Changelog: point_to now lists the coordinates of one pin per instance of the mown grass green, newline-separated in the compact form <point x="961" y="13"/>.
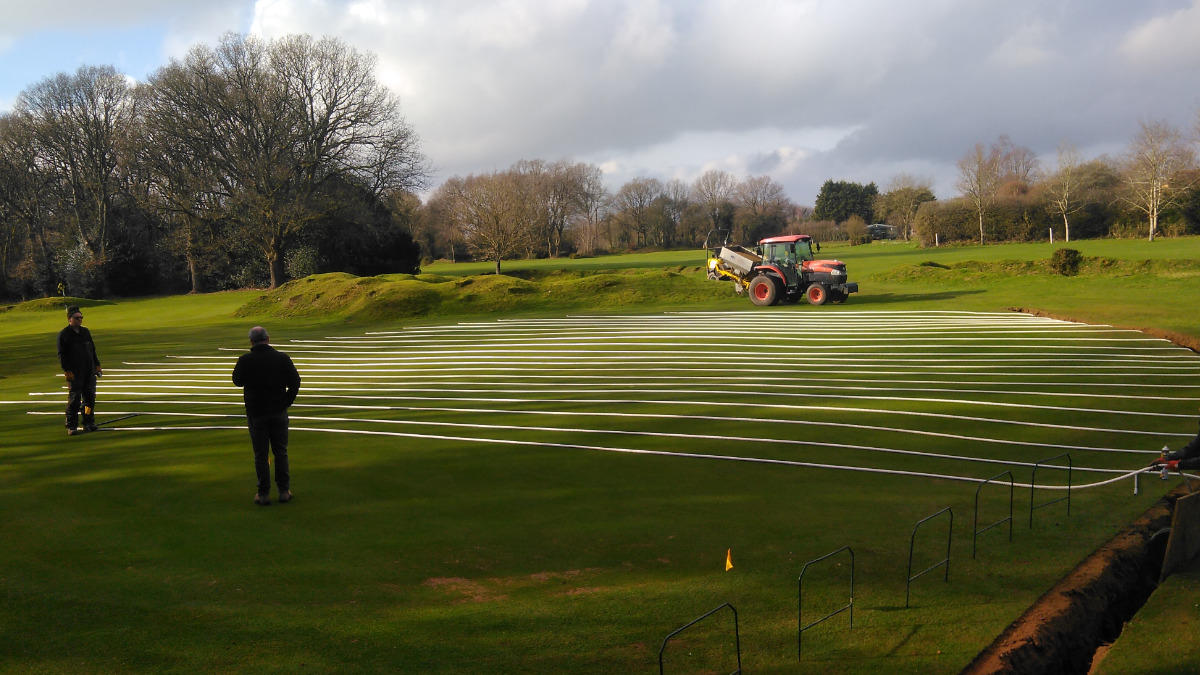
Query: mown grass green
<point x="141" y="551"/>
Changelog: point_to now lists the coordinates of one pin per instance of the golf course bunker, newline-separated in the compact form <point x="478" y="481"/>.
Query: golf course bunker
<point x="1087" y="609"/>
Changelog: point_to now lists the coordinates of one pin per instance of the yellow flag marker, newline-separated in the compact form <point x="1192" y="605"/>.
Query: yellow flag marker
<point x="728" y="559"/>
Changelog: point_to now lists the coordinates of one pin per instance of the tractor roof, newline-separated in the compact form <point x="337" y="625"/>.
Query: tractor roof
<point x="785" y="239"/>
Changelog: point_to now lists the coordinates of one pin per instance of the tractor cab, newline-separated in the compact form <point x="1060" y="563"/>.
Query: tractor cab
<point x="788" y="253"/>
<point x="790" y="250"/>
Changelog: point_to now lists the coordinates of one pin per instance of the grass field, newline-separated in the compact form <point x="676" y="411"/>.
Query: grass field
<point x="536" y="492"/>
<point x="1159" y="638"/>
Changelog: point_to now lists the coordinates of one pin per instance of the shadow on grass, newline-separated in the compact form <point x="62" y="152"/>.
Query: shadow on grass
<point x="904" y="640"/>
<point x="890" y="298"/>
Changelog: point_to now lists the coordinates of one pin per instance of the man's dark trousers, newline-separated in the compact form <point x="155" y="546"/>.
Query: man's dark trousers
<point x="83" y="392"/>
<point x="270" y="432"/>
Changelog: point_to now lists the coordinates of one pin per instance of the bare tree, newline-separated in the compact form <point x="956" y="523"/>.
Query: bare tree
<point x="762" y="207"/>
<point x="565" y="194"/>
<point x="711" y="190"/>
<point x="1154" y="170"/>
<point x="493" y="213"/>
<point x="761" y="195"/>
<point x="437" y="227"/>
<point x="594" y="201"/>
<point x="898" y="206"/>
<point x="676" y="200"/>
<point x="633" y="201"/>
<point x="24" y="212"/>
<point x="531" y="180"/>
<point x="979" y="178"/>
<point x="184" y="186"/>
<point x="1063" y="187"/>
<point x="268" y="123"/>
<point x="1017" y="163"/>
<point x="80" y="123"/>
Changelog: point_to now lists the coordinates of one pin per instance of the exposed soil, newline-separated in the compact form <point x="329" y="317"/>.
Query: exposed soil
<point x="1063" y="630"/>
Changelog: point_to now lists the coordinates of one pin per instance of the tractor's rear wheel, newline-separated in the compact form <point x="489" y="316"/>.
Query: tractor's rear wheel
<point x="817" y="294"/>
<point x="763" y="290"/>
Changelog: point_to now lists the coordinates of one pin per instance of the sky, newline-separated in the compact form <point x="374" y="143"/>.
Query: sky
<point x="800" y="90"/>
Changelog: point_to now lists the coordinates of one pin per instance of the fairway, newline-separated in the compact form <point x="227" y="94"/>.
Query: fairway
<point x="570" y="486"/>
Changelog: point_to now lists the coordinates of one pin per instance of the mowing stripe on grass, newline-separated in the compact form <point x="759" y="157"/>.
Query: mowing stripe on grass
<point x="546" y="388"/>
<point x="836" y="357"/>
<point x="660" y="453"/>
<point x="622" y="432"/>
<point x="635" y="415"/>
<point x="364" y="381"/>
<point x="223" y="373"/>
<point x="739" y="404"/>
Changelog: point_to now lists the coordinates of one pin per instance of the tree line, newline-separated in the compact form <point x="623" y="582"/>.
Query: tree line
<point x="224" y="169"/>
<point x="254" y="161"/>
<point x="537" y="209"/>
<point x="1154" y="186"/>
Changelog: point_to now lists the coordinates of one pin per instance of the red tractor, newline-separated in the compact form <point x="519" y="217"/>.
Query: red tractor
<point x="779" y="269"/>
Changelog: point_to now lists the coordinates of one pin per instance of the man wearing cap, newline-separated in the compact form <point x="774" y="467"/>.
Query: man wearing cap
<point x="269" y="384"/>
<point x="81" y="366"/>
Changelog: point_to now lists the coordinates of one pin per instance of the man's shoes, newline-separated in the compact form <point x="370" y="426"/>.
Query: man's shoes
<point x="90" y="427"/>
<point x="285" y="496"/>
<point x="262" y="500"/>
<point x="73" y="432"/>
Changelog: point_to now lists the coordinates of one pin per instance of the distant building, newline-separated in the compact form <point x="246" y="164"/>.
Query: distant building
<point x="881" y="231"/>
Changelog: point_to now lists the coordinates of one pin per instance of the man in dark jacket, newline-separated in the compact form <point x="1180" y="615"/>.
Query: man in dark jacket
<point x="81" y="366"/>
<point x="270" y="384"/>
<point x="1187" y="457"/>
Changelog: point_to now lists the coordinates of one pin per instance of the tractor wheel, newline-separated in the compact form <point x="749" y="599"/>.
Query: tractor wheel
<point x="837" y="297"/>
<point x="816" y="294"/>
<point x="763" y="290"/>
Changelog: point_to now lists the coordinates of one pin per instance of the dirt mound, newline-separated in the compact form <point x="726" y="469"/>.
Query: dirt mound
<point x="395" y="296"/>
<point x="1061" y="632"/>
<point x="341" y="294"/>
<point x="55" y="304"/>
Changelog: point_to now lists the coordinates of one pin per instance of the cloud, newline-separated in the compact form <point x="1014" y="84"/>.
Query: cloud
<point x="668" y="88"/>
<point x="643" y="37"/>
<point x="1028" y="46"/>
<point x="25" y="17"/>
<point x="203" y="23"/>
<point x="779" y="153"/>
<point x="802" y="90"/>
<point x="1168" y="41"/>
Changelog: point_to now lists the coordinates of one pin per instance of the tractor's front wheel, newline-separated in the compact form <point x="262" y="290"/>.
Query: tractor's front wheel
<point x="817" y="294"/>
<point x="763" y="290"/>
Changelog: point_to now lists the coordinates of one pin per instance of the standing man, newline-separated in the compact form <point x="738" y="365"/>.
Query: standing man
<point x="81" y="366"/>
<point x="270" y="384"/>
